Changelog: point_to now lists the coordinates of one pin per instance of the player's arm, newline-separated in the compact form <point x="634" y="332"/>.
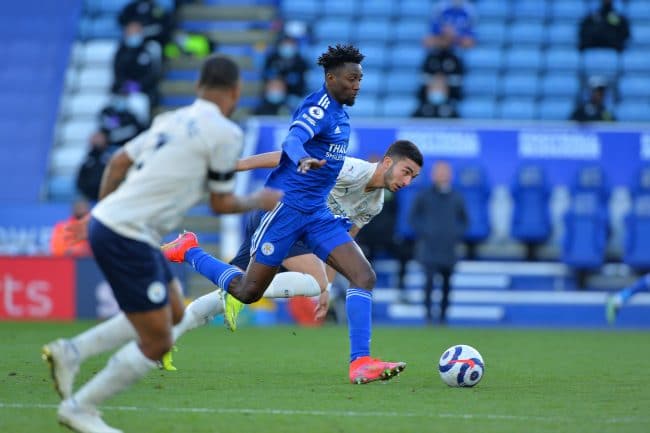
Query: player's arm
<point x="262" y="160"/>
<point x="225" y="203"/>
<point x="115" y="172"/>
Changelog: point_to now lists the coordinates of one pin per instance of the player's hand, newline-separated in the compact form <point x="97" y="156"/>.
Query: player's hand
<point x="76" y="231"/>
<point x="307" y="164"/>
<point x="323" y="306"/>
<point x="267" y="198"/>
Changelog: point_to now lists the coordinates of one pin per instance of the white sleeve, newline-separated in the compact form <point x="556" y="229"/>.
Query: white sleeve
<point x="137" y="144"/>
<point x="225" y="150"/>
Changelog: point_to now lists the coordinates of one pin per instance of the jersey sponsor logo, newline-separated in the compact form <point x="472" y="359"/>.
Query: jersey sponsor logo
<point x="316" y="112"/>
<point x="267" y="248"/>
<point x="156" y="292"/>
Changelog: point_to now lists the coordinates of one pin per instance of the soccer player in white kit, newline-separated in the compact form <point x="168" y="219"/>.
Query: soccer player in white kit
<point x="358" y="195"/>
<point x="170" y="167"/>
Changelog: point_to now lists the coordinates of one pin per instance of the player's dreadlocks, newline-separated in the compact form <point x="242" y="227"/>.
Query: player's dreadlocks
<point x="338" y="55"/>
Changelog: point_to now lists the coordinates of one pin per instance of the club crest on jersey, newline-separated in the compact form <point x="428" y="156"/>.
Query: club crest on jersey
<point x="316" y="112"/>
<point x="267" y="248"/>
<point x="156" y="292"/>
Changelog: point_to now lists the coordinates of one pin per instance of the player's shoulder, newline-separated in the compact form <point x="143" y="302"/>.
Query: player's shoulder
<point x="355" y="166"/>
<point x="318" y="104"/>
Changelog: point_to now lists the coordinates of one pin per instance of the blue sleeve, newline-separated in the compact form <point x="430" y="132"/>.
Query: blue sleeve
<point x="294" y="144"/>
<point x="313" y="119"/>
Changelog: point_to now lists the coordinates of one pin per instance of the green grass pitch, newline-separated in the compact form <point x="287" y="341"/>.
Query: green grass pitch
<point x="284" y="379"/>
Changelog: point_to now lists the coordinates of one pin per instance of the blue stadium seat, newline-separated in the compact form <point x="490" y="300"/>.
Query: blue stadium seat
<point x="523" y="59"/>
<point x="568" y="10"/>
<point x="517" y="109"/>
<point x="340" y="8"/>
<point x="406" y="56"/>
<point x="519" y="84"/>
<point x="372" y="30"/>
<point x="585" y="233"/>
<point x="562" y="34"/>
<point x="592" y="180"/>
<point x="490" y="34"/>
<point x="376" y="54"/>
<point x="414" y="8"/>
<point x="633" y="111"/>
<point x="397" y="106"/>
<point x="373" y="81"/>
<point x="600" y="61"/>
<point x="403" y="81"/>
<point x="636" y="251"/>
<point x="637" y="11"/>
<point x="499" y="9"/>
<point x="300" y="9"/>
<point x="481" y="83"/>
<point x="471" y="182"/>
<point x="555" y="109"/>
<point x="330" y="29"/>
<point x="483" y="58"/>
<point x="526" y="33"/>
<point x="530" y="10"/>
<point x="314" y="78"/>
<point x="562" y="59"/>
<point x="365" y="106"/>
<point x="634" y="87"/>
<point x="636" y="60"/>
<point x="477" y="108"/>
<point x="411" y="30"/>
<point x="108" y="7"/>
<point x="531" y="220"/>
<point x="378" y="8"/>
<point x="640" y="35"/>
<point x="560" y="84"/>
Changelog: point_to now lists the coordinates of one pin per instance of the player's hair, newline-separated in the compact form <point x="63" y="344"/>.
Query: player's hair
<point x="338" y="55"/>
<point x="402" y="149"/>
<point x="219" y="71"/>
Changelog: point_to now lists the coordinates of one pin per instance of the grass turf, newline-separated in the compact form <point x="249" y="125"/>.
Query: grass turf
<point x="295" y="380"/>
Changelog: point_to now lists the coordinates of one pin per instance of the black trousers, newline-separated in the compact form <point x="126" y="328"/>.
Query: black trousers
<point x="430" y="272"/>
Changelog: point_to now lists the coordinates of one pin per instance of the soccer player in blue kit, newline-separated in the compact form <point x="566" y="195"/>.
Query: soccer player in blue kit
<point x="312" y="156"/>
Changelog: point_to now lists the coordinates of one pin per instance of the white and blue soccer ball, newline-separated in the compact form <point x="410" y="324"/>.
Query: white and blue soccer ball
<point x="461" y="366"/>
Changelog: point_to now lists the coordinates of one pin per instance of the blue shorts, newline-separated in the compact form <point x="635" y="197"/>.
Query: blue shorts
<point x="137" y="272"/>
<point x="282" y="227"/>
<point x="243" y="256"/>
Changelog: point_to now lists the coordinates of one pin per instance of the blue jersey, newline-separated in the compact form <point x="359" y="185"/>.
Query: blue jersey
<point x="328" y="125"/>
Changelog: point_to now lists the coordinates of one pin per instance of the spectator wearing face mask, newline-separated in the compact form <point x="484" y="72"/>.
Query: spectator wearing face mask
<point x="137" y="63"/>
<point x="435" y="101"/>
<point x="286" y="62"/>
<point x="157" y="23"/>
<point x="274" y="100"/>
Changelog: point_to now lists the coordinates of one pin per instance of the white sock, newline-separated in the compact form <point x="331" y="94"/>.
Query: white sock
<point x="200" y="312"/>
<point x="125" y="367"/>
<point x="112" y="333"/>
<point x="289" y="284"/>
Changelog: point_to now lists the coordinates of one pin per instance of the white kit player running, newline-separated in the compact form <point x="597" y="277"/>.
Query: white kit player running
<point x="146" y="189"/>
<point x="358" y="195"/>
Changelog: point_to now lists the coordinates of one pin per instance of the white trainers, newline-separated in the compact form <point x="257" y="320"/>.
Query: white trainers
<point x="83" y="419"/>
<point x="64" y="365"/>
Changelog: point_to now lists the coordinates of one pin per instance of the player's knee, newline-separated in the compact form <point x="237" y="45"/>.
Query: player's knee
<point x="154" y="347"/>
<point x="248" y="297"/>
<point x="365" y="279"/>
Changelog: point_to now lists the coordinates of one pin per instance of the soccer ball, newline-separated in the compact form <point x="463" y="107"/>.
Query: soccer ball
<point x="461" y="365"/>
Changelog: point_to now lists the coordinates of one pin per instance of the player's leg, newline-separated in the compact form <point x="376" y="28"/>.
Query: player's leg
<point x="429" y="275"/>
<point x="445" y="273"/>
<point x="616" y="301"/>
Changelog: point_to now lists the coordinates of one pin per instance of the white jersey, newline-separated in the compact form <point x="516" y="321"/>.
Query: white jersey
<point x="184" y="154"/>
<point x="349" y="197"/>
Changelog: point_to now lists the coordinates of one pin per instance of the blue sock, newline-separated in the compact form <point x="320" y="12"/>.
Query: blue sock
<point x="641" y="285"/>
<point x="358" y="305"/>
<point x="220" y="273"/>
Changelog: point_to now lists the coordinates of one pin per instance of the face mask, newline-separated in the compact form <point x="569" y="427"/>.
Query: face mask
<point x="134" y="40"/>
<point x="436" y="97"/>
<point x="287" y="50"/>
<point x="275" y="96"/>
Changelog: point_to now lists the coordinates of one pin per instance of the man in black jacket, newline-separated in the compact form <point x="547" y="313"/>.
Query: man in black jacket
<point x="439" y="220"/>
<point x="604" y="28"/>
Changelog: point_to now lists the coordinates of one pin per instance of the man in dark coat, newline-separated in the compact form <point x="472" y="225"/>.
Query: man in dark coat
<point x="439" y="219"/>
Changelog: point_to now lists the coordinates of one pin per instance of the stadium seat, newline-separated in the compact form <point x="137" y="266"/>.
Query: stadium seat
<point x="414" y="8"/>
<point x="562" y="59"/>
<point x="493" y="9"/>
<point x="483" y="58"/>
<point x="519" y="84"/>
<point x="560" y="85"/>
<point x="341" y="8"/>
<point x="373" y="81"/>
<point x="372" y="30"/>
<point x="406" y="56"/>
<point x="517" y="109"/>
<point x="524" y="59"/>
<point x="562" y="34"/>
<point x="410" y="30"/>
<point x="300" y="9"/>
<point x="472" y="184"/>
<point x="634" y="87"/>
<point x="530" y="10"/>
<point x="600" y="61"/>
<point x="633" y="111"/>
<point x="94" y="79"/>
<point x="640" y="35"/>
<point x="481" y="84"/>
<point x="490" y="34"/>
<point x="636" y="251"/>
<point x="403" y="81"/>
<point x="77" y="131"/>
<point x="67" y="160"/>
<point x="477" y="108"/>
<point x="365" y="106"/>
<point x="555" y="109"/>
<point x="328" y="28"/>
<point x="378" y="8"/>
<point x="109" y="7"/>
<point x="531" y="221"/>
<point x="592" y="180"/>
<point x="526" y="33"/>
<point x="376" y="54"/>
<point x="636" y="60"/>
<point x="568" y="10"/>
<point x="397" y="106"/>
<point x="585" y="233"/>
<point x="85" y="105"/>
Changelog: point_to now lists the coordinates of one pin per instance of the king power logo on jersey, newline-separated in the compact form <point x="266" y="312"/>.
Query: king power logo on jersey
<point x="36" y="288"/>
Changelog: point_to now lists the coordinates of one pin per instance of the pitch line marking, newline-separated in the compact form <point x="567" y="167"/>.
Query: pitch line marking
<point x="353" y="414"/>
